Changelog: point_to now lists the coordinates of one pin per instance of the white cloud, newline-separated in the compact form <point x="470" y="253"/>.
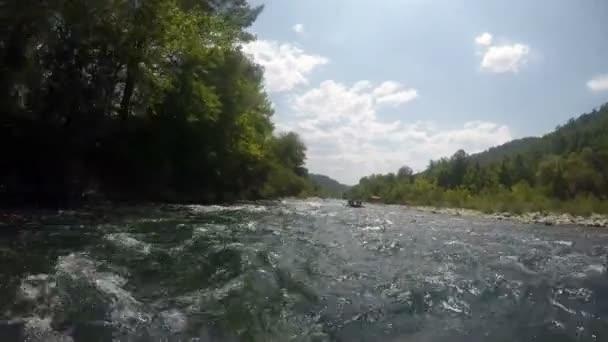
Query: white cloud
<point x="505" y="58"/>
<point x="361" y="86"/>
<point x="333" y="101"/>
<point x="298" y="28"/>
<point x="598" y="83"/>
<point x="285" y="65"/>
<point x="501" y="58"/>
<point x="392" y="93"/>
<point x="484" y="39"/>
<point x="347" y="140"/>
<point x="386" y="88"/>
<point x="398" y="97"/>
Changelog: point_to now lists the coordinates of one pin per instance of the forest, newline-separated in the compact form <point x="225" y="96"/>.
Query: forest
<point x="563" y="171"/>
<point x="325" y="186"/>
<point x="138" y="101"/>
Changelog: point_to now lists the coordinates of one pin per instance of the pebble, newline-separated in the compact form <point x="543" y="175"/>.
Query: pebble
<point x="547" y="219"/>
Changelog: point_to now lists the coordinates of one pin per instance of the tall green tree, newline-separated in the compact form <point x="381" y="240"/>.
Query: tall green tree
<point x="145" y="99"/>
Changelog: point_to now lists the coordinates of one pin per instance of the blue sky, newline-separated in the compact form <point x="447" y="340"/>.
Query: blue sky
<point x="372" y="85"/>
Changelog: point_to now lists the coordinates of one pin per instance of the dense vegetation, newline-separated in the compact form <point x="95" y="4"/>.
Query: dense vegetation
<point x="566" y="170"/>
<point x="327" y="187"/>
<point x="133" y="99"/>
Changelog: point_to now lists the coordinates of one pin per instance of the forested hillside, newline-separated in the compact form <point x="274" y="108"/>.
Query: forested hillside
<point x="566" y="170"/>
<point x="327" y="186"/>
<point x="144" y="100"/>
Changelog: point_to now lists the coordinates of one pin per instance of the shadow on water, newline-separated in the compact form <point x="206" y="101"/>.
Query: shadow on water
<point x="297" y="270"/>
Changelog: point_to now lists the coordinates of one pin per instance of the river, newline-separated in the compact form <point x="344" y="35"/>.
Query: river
<point x="297" y="270"/>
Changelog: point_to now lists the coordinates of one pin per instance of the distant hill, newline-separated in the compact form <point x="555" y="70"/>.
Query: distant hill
<point x="587" y="131"/>
<point x="511" y="148"/>
<point x="328" y="186"/>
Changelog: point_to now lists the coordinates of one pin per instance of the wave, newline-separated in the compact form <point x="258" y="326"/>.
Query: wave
<point x="126" y="241"/>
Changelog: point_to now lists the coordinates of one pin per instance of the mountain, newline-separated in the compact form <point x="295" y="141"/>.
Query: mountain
<point x="513" y="147"/>
<point x="328" y="186"/>
<point x="587" y="131"/>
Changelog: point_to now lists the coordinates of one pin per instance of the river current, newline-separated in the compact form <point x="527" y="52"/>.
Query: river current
<point x="297" y="270"/>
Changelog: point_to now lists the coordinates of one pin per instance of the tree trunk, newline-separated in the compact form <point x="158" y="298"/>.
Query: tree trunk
<point x="125" y="103"/>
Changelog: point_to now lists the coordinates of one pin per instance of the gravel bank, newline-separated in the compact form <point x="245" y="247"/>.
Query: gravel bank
<point x="548" y="219"/>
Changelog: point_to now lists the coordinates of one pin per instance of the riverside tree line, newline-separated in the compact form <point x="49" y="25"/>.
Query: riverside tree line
<point x="137" y="99"/>
<point x="566" y="170"/>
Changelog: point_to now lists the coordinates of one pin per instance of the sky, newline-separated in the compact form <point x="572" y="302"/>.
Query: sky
<point x="371" y="86"/>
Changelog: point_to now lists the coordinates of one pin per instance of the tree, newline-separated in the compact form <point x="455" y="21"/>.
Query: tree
<point x="453" y="175"/>
<point x="405" y="173"/>
<point x="147" y="99"/>
<point x="504" y="174"/>
<point x="291" y="152"/>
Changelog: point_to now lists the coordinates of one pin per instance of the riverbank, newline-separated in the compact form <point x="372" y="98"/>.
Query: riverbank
<point x="546" y="218"/>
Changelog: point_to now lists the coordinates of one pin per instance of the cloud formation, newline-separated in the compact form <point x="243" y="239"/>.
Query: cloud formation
<point x="298" y="28"/>
<point x="285" y="66"/>
<point x="598" y="83"/>
<point x="501" y="58"/>
<point x="347" y="140"/>
<point x="393" y="94"/>
<point x="484" y="39"/>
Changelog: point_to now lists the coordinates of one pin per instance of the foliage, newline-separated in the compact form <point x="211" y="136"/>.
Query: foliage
<point x="148" y="100"/>
<point x="327" y="187"/>
<point x="566" y="170"/>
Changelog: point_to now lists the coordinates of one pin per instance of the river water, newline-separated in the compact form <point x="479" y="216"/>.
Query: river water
<point x="297" y="271"/>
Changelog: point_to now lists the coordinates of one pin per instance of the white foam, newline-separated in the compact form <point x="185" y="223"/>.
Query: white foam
<point x="214" y="208"/>
<point x="35" y="286"/>
<point x="371" y="228"/>
<point x="125" y="240"/>
<point x="174" y="320"/>
<point x="596" y="269"/>
<point x="474" y="291"/>
<point x="564" y="243"/>
<point x="153" y="220"/>
<point x="39" y="329"/>
<point x="201" y="230"/>
<point x="513" y="263"/>
<point x="561" y="306"/>
<point x="124" y="308"/>
<point x="253" y="208"/>
<point x="29" y="292"/>
<point x="314" y="204"/>
<point x="38" y="277"/>
<point x="38" y="324"/>
<point x="455" y="305"/>
<point x="454" y="242"/>
<point x="447" y="306"/>
<point x="206" y="208"/>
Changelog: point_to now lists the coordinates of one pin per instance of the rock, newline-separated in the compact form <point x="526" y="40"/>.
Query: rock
<point x="548" y="219"/>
